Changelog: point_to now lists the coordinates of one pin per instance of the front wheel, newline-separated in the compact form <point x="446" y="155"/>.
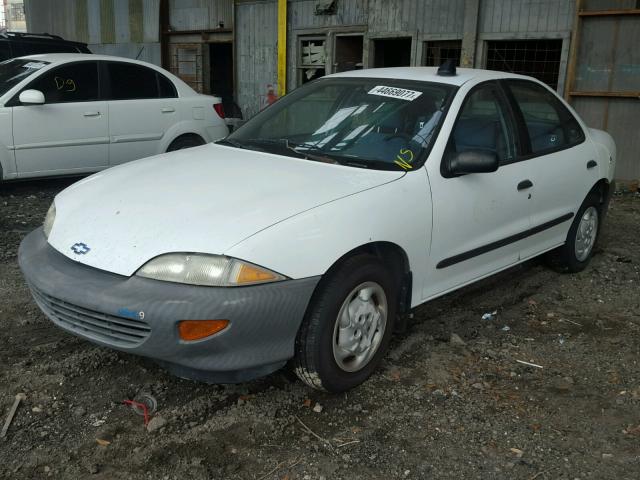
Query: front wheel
<point x="576" y="253"/>
<point x="347" y="327"/>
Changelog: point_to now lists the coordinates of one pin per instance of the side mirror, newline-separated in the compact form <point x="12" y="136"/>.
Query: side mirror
<point x="472" y="161"/>
<point x="31" y="97"/>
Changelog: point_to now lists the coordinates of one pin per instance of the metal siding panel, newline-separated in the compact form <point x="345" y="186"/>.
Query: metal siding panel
<point x="121" y="21"/>
<point x="135" y="20"/>
<point x="147" y="52"/>
<point x="107" y="24"/>
<point x="151" y="20"/>
<point x="256" y="41"/>
<point x="93" y="21"/>
<point x="81" y="21"/>
<point x="626" y="65"/>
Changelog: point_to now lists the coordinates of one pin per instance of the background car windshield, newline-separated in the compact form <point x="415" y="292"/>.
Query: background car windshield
<point x="15" y="70"/>
<point x="367" y="122"/>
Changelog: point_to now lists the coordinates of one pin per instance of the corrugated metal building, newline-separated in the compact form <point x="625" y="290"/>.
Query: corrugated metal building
<point x="586" y="49"/>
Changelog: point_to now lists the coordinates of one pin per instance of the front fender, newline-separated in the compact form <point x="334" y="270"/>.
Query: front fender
<point x="309" y="243"/>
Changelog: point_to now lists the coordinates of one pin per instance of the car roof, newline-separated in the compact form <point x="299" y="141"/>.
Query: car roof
<point x="428" y="74"/>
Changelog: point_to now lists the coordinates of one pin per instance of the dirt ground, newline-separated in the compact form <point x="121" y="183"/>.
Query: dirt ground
<point x="437" y="409"/>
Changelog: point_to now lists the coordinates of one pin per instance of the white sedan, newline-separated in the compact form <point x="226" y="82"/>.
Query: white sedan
<point x="70" y="113"/>
<point x="304" y="234"/>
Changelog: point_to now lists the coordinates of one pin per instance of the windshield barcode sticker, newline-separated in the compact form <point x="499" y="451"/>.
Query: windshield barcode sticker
<point x="394" y="92"/>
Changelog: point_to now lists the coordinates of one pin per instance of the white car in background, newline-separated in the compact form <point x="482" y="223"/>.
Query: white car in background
<point x="304" y="233"/>
<point x="69" y="113"/>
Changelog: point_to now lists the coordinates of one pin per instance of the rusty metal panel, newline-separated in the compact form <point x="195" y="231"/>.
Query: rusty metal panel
<point x="200" y="14"/>
<point x="526" y="16"/>
<point x="256" y="55"/>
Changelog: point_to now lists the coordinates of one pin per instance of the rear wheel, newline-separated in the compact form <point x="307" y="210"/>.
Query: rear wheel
<point x="576" y="253"/>
<point x="347" y="327"/>
<point x="185" y="141"/>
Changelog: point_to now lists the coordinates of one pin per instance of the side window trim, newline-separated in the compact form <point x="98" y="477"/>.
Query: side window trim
<point x="502" y="103"/>
<point x="159" y="78"/>
<point x="557" y="104"/>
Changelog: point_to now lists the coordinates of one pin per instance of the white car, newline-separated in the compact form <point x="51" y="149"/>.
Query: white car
<point x="70" y="113"/>
<point x="305" y="233"/>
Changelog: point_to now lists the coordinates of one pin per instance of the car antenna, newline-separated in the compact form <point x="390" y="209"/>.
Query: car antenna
<point x="448" y="68"/>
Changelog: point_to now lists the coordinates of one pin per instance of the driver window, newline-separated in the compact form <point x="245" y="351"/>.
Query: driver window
<point x="77" y="82"/>
<point x="483" y="125"/>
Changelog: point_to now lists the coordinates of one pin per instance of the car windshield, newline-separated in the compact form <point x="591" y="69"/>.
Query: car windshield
<point x="15" y="70"/>
<point x="361" y="122"/>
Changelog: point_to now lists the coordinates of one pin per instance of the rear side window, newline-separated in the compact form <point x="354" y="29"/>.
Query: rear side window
<point x="76" y="82"/>
<point x="128" y="81"/>
<point x="549" y="124"/>
<point x="166" y="87"/>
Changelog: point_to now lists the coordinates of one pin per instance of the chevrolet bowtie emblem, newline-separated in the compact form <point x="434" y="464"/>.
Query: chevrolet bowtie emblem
<point x="80" y="248"/>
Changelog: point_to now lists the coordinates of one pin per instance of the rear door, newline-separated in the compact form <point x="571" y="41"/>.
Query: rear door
<point x="68" y="134"/>
<point x="143" y="105"/>
<point x="478" y="219"/>
<point x="562" y="162"/>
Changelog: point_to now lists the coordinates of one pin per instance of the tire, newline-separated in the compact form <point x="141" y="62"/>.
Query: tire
<point x="363" y="293"/>
<point x="577" y="251"/>
<point x="185" y="141"/>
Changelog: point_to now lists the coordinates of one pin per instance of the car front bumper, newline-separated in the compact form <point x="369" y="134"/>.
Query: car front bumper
<point x="140" y="316"/>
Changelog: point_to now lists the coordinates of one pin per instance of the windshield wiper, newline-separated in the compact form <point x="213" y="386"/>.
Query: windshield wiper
<point x="295" y="148"/>
<point x="233" y="143"/>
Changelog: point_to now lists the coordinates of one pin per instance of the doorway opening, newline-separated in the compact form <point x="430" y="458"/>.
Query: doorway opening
<point x="392" y="52"/>
<point x="348" y="56"/>
<point x="221" y="73"/>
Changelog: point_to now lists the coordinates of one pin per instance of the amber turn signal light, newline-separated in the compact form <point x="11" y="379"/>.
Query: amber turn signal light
<point x="198" y="329"/>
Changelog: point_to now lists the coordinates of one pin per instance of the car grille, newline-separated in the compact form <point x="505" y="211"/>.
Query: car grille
<point x="116" y="331"/>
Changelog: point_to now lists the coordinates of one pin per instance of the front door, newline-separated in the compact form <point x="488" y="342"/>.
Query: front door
<point x="69" y="133"/>
<point x="477" y="217"/>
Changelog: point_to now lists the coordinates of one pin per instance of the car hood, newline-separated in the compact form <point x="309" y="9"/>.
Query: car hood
<point x="205" y="199"/>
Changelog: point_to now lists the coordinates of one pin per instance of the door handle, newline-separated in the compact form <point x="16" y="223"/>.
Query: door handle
<point x="167" y="109"/>
<point x="591" y="164"/>
<point x="523" y="185"/>
<point x="91" y="114"/>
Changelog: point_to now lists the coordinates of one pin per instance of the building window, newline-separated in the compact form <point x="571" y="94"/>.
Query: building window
<point x="16" y="12"/>
<point x="537" y="58"/>
<point x="436" y="53"/>
<point x="313" y="57"/>
<point x="348" y="53"/>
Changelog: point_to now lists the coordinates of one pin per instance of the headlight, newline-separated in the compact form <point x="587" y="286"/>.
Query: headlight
<point x="49" y="219"/>
<point x="207" y="270"/>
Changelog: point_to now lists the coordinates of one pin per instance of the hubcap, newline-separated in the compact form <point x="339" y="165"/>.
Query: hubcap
<point x="360" y="326"/>
<point x="586" y="234"/>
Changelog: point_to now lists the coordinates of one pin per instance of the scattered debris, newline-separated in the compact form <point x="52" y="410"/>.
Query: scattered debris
<point x="156" y="423"/>
<point x="529" y="364"/>
<point x="506" y="328"/>
<point x="490" y="316"/>
<point x="519" y="453"/>
<point x="456" y="340"/>
<point x="19" y="398"/>
<point x="102" y="442"/>
<point x="317" y="408"/>
<point x="143" y="404"/>
<point x="324" y="440"/>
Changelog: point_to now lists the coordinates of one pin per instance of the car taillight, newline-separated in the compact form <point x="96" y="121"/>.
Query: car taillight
<point x="219" y="108"/>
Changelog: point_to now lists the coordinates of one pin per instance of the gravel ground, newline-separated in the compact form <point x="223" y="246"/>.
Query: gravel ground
<point x="450" y="401"/>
